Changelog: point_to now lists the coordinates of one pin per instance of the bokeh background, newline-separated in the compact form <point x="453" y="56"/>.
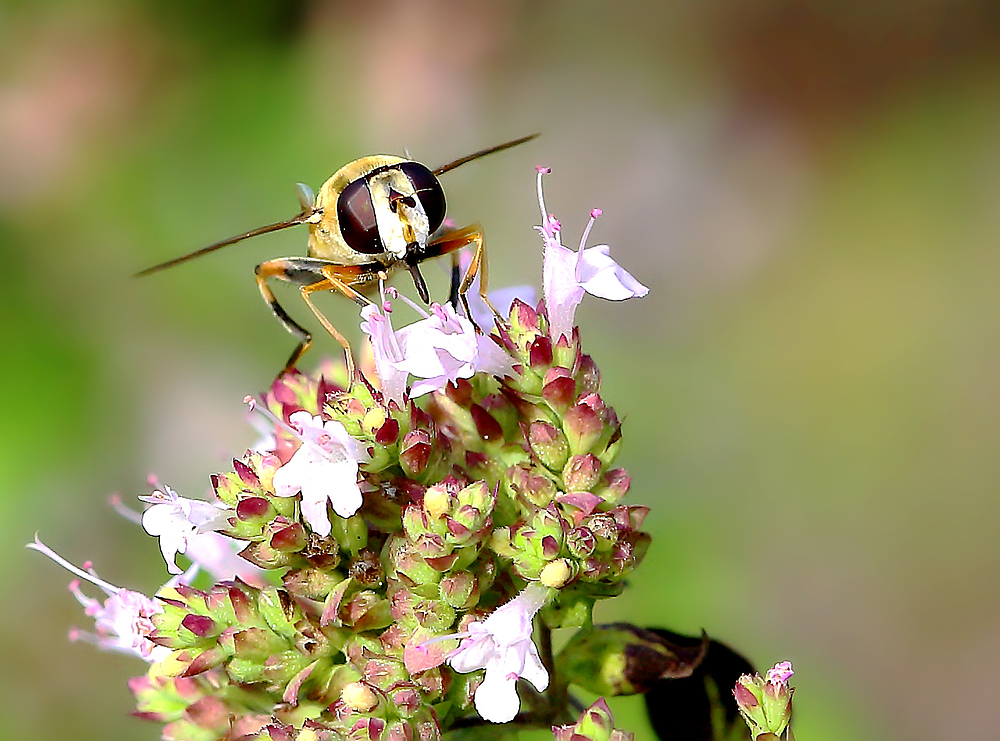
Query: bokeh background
<point x="811" y="393"/>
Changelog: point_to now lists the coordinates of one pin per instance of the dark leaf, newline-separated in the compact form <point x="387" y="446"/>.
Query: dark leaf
<point x="699" y="707"/>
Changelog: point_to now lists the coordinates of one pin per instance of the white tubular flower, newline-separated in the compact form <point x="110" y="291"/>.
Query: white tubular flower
<point x="175" y="520"/>
<point x="502" y="645"/>
<point x="324" y="469"/>
<point x="123" y="622"/>
<point x="567" y="275"/>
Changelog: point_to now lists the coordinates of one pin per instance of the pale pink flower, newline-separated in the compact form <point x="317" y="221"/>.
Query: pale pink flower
<point x="567" y="275"/>
<point x="175" y="520"/>
<point x="210" y="551"/>
<point x="387" y="352"/>
<point x="502" y="645"/>
<point x="445" y="347"/>
<point x="219" y="556"/>
<point x="324" y="469"/>
<point x="780" y="673"/>
<point x="439" y="348"/>
<point x="123" y="622"/>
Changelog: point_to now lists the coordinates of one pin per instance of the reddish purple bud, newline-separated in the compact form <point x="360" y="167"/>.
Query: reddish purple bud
<point x="457" y="589"/>
<point x="399" y="731"/>
<point x="583" y="504"/>
<point x="388" y="433"/>
<point x="460" y="392"/>
<point x="559" y="388"/>
<point x="415" y="452"/>
<point x="523" y="316"/>
<point x="207" y="712"/>
<point x="604" y="528"/>
<point x="420" y="419"/>
<point x="246" y="474"/>
<point x="253" y="508"/>
<point x="550" y="547"/>
<point x="540" y="353"/>
<point x="486" y="424"/>
<point x="189" y="593"/>
<point x="583" y="426"/>
<point x="474" y="460"/>
<point x="588" y="375"/>
<point x="581" y="542"/>
<point x="289" y="539"/>
<point x="370" y="728"/>
<point x="744" y="697"/>
<point x="282" y="393"/>
<point x="637" y="515"/>
<point x="200" y="625"/>
<point x="582" y="472"/>
<point x="241" y="604"/>
<point x="456" y="528"/>
<point x="280" y="732"/>
<point x="383" y="672"/>
<point x="204" y="661"/>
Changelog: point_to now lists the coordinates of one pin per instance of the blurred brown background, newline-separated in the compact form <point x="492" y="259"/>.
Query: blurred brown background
<point x="811" y="388"/>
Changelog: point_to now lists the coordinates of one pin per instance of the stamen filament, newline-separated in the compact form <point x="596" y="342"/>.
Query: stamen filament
<point x="39" y="546"/>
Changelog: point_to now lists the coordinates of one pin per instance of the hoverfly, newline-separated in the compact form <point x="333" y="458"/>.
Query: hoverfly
<point x="373" y="215"/>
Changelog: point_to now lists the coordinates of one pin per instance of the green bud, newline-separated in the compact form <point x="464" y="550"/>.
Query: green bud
<point x="595" y="724"/>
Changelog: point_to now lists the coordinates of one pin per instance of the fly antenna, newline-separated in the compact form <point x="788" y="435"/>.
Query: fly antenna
<point x="483" y="153"/>
<point x="277" y="226"/>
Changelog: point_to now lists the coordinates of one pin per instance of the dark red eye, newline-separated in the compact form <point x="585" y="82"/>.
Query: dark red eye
<point x="428" y="190"/>
<point x="356" y="215"/>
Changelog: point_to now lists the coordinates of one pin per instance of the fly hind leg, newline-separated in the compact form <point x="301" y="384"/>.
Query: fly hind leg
<point x="310" y="275"/>
<point x="278" y="269"/>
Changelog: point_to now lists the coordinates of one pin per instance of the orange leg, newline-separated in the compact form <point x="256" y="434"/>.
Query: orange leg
<point x="455" y="240"/>
<point x="312" y="275"/>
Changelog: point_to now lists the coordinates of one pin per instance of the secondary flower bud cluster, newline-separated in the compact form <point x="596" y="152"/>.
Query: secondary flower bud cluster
<point x="488" y="485"/>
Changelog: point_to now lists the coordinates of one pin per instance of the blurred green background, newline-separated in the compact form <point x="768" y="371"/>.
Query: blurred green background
<point x="810" y="391"/>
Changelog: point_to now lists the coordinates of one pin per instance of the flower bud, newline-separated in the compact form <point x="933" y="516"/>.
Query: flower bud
<point x="559" y="388"/>
<point x="556" y="573"/>
<point x="359" y="696"/>
<point x="583" y="427"/>
<point x="415" y="452"/>
<point x="766" y="704"/>
<point x="588" y="375"/>
<point x="548" y="444"/>
<point x="581" y="473"/>
<point x="595" y="724"/>
<point x="540" y="354"/>
<point x="486" y="425"/>
<point x="437" y="501"/>
<point x="523" y="318"/>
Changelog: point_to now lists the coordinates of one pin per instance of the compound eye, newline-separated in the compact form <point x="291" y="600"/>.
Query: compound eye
<point x="428" y="190"/>
<point x="356" y="215"/>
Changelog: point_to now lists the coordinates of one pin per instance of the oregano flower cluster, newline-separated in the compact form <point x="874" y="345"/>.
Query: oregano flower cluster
<point x="409" y="540"/>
